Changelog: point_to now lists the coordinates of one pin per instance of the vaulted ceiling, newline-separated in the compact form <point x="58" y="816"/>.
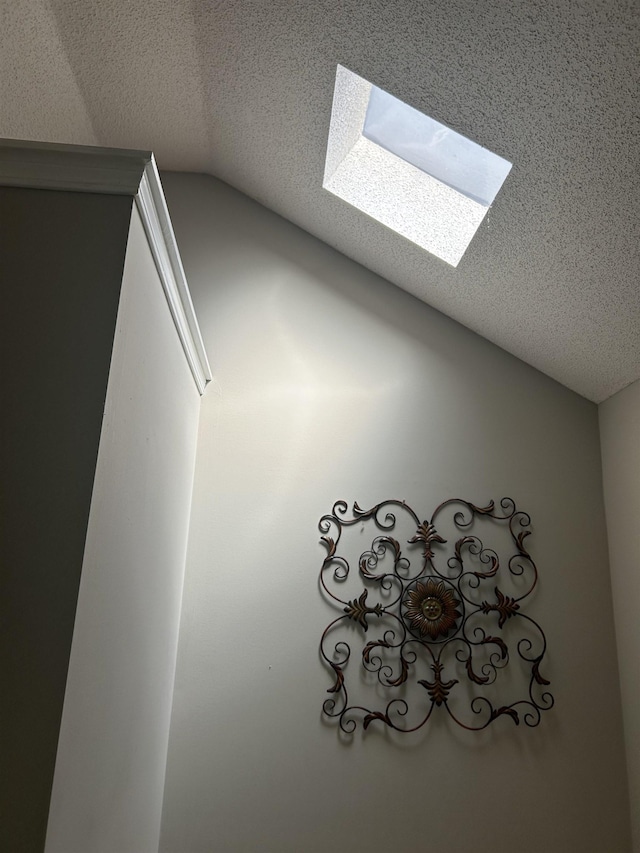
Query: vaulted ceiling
<point x="242" y="89"/>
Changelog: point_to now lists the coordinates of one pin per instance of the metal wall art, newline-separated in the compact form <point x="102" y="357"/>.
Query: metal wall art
<point x="447" y="621"/>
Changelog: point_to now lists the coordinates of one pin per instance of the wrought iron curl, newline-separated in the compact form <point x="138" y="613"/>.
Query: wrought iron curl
<point x="439" y="616"/>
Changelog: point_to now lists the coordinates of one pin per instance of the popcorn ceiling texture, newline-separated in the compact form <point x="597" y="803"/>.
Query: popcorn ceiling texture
<point x="243" y="90"/>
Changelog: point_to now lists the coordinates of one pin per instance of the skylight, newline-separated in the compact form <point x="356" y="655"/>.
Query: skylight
<point x="407" y="170"/>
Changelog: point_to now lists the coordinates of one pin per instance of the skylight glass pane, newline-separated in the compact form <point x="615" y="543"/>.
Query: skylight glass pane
<point x="437" y="150"/>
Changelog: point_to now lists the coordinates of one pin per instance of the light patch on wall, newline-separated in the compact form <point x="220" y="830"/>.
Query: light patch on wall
<point x="406" y="170"/>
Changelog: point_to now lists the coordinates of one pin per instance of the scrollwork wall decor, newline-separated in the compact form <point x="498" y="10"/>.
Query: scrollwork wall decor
<point x="457" y="620"/>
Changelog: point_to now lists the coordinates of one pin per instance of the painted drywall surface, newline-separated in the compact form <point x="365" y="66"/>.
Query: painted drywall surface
<point x="620" y="439"/>
<point x="61" y="260"/>
<point x="330" y="383"/>
<point x="109" y="778"/>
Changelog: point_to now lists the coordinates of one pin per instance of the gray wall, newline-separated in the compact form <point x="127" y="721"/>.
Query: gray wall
<point x="331" y="383"/>
<point x="110" y="768"/>
<point x="61" y="260"/>
<point x="620" y="438"/>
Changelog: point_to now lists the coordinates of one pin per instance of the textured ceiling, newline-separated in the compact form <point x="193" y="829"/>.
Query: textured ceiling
<point x="243" y="90"/>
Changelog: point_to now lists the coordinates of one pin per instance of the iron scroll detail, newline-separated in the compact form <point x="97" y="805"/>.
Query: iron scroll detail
<point x="457" y="620"/>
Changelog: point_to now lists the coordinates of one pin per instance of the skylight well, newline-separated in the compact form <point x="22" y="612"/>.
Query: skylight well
<point x="407" y="170"/>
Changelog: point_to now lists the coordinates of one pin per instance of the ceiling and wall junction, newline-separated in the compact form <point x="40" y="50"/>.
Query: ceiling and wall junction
<point x="242" y="90"/>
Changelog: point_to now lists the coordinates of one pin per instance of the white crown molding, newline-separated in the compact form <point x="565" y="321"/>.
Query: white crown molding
<point x="76" y="168"/>
<point x="152" y="207"/>
<point x="81" y="168"/>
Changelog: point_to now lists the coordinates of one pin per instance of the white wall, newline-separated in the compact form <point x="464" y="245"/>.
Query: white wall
<point x="620" y="439"/>
<point x="109" y="776"/>
<point x="331" y="383"/>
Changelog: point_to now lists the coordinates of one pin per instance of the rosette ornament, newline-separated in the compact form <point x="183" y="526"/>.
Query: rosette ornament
<point x="431" y="609"/>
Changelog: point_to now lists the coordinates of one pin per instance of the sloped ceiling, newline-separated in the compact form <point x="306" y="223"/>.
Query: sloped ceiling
<point x="242" y="90"/>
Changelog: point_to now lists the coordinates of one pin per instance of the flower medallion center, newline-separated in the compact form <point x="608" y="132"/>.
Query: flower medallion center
<point x="431" y="609"/>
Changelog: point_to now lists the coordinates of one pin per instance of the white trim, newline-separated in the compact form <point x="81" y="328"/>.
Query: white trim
<point x="116" y="171"/>
<point x="152" y="207"/>
<point x="75" y="168"/>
